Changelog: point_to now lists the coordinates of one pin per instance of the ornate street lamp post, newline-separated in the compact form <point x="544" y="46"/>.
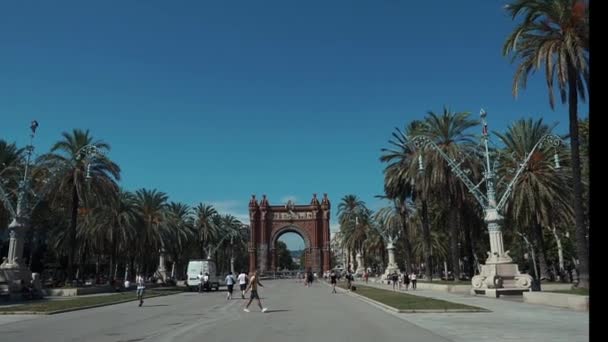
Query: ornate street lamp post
<point x="12" y="269"/>
<point x="499" y="274"/>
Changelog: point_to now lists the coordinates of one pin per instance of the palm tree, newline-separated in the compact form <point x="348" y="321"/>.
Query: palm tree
<point x="584" y="140"/>
<point x="151" y="208"/>
<point x="449" y="131"/>
<point x="436" y="245"/>
<point x="374" y="246"/>
<point x="205" y="225"/>
<point x="402" y="179"/>
<point x="354" y="219"/>
<point x="231" y="233"/>
<point x="65" y="157"/>
<point x="390" y="221"/>
<point x="554" y="36"/>
<point x="540" y="189"/>
<point x="114" y="223"/>
<point x="10" y="158"/>
<point x="350" y="208"/>
<point x="180" y="231"/>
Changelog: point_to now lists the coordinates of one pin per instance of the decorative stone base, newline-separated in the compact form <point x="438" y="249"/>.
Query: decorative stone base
<point x="10" y="279"/>
<point x="390" y="269"/>
<point x="500" y="278"/>
<point x="495" y="293"/>
<point x="162" y="276"/>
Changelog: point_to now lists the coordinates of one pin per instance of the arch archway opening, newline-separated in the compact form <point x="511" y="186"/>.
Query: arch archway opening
<point x="290" y="249"/>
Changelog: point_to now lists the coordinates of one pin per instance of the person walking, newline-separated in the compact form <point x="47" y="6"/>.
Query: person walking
<point x="253" y="285"/>
<point x="206" y="284"/>
<point x="309" y="278"/>
<point x="332" y="279"/>
<point x="406" y="281"/>
<point x="230" y="285"/>
<point x="141" y="287"/>
<point x="413" y="279"/>
<point x="242" y="278"/>
<point x="200" y="282"/>
<point x="349" y="279"/>
<point x="394" y="279"/>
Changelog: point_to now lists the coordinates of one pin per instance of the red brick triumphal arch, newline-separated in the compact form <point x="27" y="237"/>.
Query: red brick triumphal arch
<point x="269" y="222"/>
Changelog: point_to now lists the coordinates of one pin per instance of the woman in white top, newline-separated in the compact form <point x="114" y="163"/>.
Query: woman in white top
<point x="229" y="285"/>
<point x="141" y="287"/>
<point x="413" y="279"/>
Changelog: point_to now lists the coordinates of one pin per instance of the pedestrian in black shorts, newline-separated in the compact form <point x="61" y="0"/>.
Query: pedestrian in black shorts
<point x="253" y="285"/>
<point x="242" y="278"/>
<point x="229" y="285"/>
<point x="309" y="278"/>
<point x="332" y="279"/>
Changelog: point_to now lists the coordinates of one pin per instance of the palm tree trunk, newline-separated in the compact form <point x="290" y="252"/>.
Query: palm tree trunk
<point x="406" y="239"/>
<point x="132" y="266"/>
<point x="560" y="254"/>
<point x="426" y="233"/>
<point x="112" y="252"/>
<point x="454" y="252"/>
<point x="215" y="256"/>
<point x="579" y="214"/>
<point x="72" y="234"/>
<point x="540" y="244"/>
<point x="468" y="245"/>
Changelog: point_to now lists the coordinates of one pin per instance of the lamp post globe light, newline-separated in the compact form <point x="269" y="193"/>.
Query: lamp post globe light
<point x="499" y="274"/>
<point x="12" y="269"/>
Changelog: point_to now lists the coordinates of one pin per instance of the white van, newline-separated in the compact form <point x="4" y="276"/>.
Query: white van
<point x="195" y="267"/>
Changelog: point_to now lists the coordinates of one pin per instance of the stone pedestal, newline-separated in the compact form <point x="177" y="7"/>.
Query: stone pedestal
<point x="500" y="278"/>
<point x="15" y="246"/>
<point x="162" y="269"/>
<point x="10" y="279"/>
<point x="499" y="275"/>
<point x="13" y="270"/>
<point x="392" y="265"/>
<point x="360" y="267"/>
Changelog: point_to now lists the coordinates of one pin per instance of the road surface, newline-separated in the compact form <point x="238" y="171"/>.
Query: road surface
<point x="295" y="314"/>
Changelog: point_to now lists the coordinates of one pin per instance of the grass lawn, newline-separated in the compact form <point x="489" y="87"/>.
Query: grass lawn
<point x="574" y="291"/>
<point x="404" y="301"/>
<point x="49" y="306"/>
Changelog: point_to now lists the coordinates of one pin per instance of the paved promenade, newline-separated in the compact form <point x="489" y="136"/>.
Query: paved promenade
<point x="299" y="314"/>
<point x="296" y="313"/>
<point x="510" y="320"/>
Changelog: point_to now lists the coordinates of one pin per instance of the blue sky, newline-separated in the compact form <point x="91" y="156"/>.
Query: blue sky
<point x="212" y="101"/>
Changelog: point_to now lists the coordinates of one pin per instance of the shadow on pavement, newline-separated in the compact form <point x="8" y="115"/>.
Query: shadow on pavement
<point x="150" y="306"/>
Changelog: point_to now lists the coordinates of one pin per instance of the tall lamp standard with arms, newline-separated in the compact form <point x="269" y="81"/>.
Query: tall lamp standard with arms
<point x="499" y="274"/>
